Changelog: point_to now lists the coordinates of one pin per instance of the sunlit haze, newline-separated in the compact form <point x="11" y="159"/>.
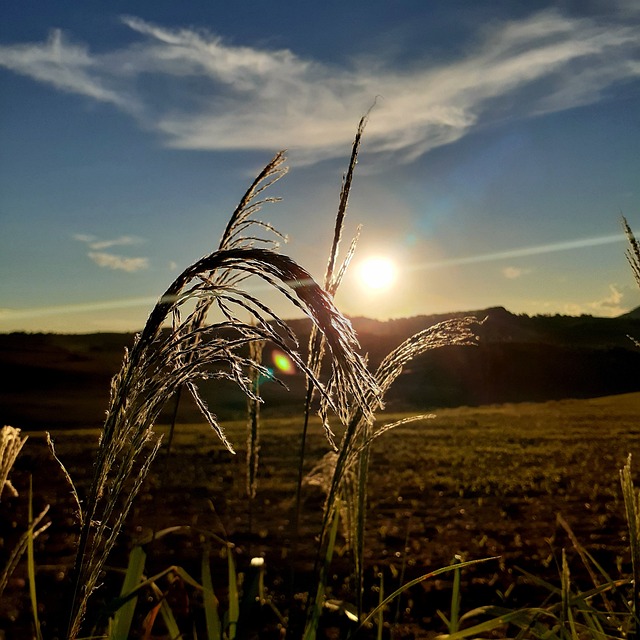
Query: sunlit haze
<point x="500" y="152"/>
<point x="377" y="272"/>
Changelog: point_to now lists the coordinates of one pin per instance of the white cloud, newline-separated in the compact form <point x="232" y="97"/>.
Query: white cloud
<point x="621" y="299"/>
<point x="110" y="260"/>
<point x="96" y="244"/>
<point x="512" y="273"/>
<point x="116" y="262"/>
<point x="219" y="96"/>
<point x="610" y="305"/>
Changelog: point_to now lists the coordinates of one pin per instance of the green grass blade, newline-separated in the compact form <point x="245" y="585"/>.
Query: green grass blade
<point x="234" y="599"/>
<point x="312" y="624"/>
<point x="118" y="602"/>
<point x="124" y="615"/>
<point x="380" y="608"/>
<point x="170" y="621"/>
<point x="443" y="617"/>
<point x="539" y="582"/>
<point x="420" y="579"/>
<point x="173" y="630"/>
<point x="211" y="605"/>
<point x="520" y="618"/>
<point x="361" y="511"/>
<point x="455" y="599"/>
<point x="31" y="565"/>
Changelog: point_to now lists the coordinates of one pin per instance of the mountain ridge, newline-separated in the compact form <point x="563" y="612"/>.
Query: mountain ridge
<point x="62" y="380"/>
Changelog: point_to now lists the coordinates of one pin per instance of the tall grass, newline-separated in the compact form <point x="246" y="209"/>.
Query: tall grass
<point x="11" y="443"/>
<point x="196" y="348"/>
<point x="343" y="473"/>
<point x="164" y="361"/>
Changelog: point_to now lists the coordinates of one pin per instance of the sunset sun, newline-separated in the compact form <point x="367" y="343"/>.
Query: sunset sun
<point x="377" y="273"/>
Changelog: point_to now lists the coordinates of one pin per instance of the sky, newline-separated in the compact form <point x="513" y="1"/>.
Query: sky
<point x="500" y="152"/>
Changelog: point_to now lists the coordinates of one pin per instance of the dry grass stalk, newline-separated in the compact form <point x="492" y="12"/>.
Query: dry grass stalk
<point x="360" y="431"/>
<point x="333" y="278"/>
<point x="11" y="442"/>
<point x="33" y="531"/>
<point x="348" y="469"/>
<point x="161" y="362"/>
<point x="253" y="420"/>
<point x="633" y="252"/>
<point x="66" y="475"/>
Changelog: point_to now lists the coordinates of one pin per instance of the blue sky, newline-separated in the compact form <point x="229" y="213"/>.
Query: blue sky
<point x="499" y="156"/>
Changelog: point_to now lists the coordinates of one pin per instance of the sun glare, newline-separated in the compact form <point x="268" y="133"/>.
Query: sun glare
<point x="377" y="273"/>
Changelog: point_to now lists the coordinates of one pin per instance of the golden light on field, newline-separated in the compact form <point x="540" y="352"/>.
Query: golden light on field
<point x="377" y="272"/>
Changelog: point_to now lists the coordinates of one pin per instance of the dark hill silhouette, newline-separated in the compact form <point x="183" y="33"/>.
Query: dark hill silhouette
<point x="634" y="313"/>
<point x="56" y="381"/>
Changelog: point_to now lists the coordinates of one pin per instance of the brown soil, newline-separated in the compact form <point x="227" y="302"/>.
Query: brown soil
<point x="474" y="483"/>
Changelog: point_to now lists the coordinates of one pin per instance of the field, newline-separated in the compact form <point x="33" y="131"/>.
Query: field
<point x="473" y="482"/>
<point x="526" y="487"/>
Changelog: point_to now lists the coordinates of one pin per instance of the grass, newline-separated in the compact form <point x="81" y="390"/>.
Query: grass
<point x="420" y="515"/>
<point x="208" y="326"/>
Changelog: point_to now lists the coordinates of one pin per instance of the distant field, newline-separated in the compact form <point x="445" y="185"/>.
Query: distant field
<point x="472" y="481"/>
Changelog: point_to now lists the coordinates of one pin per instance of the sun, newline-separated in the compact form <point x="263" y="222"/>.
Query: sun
<point x="377" y="272"/>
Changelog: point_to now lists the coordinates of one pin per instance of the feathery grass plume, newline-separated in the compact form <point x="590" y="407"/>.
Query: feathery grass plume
<point x="332" y="279"/>
<point x="633" y="257"/>
<point x="11" y="442"/>
<point x="633" y="252"/>
<point x="160" y="362"/>
<point x="238" y="233"/>
<point x="316" y="346"/>
<point x="351" y="461"/>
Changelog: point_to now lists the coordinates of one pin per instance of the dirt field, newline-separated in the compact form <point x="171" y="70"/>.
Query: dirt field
<point x="476" y="482"/>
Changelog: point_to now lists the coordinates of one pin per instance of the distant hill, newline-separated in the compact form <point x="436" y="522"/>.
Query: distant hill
<point x="634" y="313"/>
<point x="518" y="358"/>
<point x="57" y="381"/>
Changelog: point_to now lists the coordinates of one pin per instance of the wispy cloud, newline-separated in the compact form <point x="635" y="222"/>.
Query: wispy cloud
<point x="96" y="244"/>
<point x="513" y="273"/>
<point x="232" y="97"/>
<point x="120" y="263"/>
<point x="111" y="260"/>
<point x="610" y="305"/>
<point x="619" y="300"/>
<point x="68" y="67"/>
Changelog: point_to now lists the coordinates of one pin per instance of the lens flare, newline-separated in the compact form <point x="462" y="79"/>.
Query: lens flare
<point x="283" y="362"/>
